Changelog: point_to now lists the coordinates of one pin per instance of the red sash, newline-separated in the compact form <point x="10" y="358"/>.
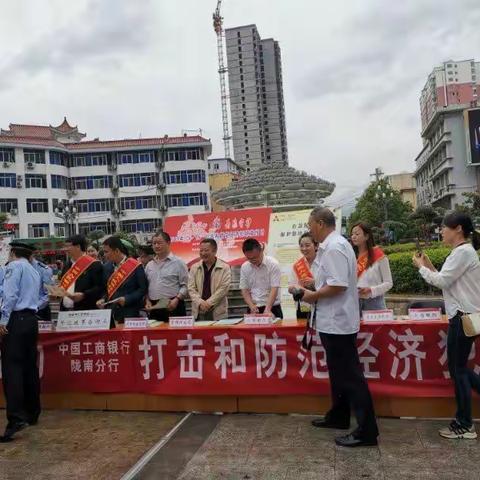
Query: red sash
<point x="362" y="260"/>
<point x="75" y="271"/>
<point x="302" y="269"/>
<point x="120" y="275"/>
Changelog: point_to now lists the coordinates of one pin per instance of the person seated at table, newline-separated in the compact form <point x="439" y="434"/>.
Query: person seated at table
<point x="209" y="283"/>
<point x="125" y="281"/>
<point x="459" y="280"/>
<point x="373" y="269"/>
<point x="308" y="247"/>
<point x="167" y="277"/>
<point x="260" y="279"/>
<point x="81" y="278"/>
<point x="145" y="254"/>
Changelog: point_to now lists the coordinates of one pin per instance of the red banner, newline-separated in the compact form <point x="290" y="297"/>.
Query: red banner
<point x="229" y="229"/>
<point x="405" y="359"/>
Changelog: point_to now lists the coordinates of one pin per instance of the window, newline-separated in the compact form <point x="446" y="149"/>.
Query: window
<point x="8" y="180"/>
<point x="59" y="181"/>
<point x="58" y="158"/>
<point x="34" y="156"/>
<point x="35" y="181"/>
<point x="146" y="157"/>
<point x="59" y="229"/>
<point x="7" y="155"/>
<point x="126" y="158"/>
<point x="186" y="199"/>
<point x="35" y="205"/>
<point x="8" y="204"/>
<point x="146" y="225"/>
<point x="38" y="230"/>
<point x="137" y="203"/>
<point x="90" y="183"/>
<point x="79" y="161"/>
<point x="99" y="160"/>
<point x="138" y="179"/>
<point x="93" y="205"/>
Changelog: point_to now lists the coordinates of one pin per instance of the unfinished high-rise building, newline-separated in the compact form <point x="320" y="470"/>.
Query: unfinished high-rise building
<point x="256" y="98"/>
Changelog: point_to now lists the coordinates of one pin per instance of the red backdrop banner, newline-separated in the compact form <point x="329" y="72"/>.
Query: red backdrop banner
<point x="229" y="229"/>
<point x="407" y="359"/>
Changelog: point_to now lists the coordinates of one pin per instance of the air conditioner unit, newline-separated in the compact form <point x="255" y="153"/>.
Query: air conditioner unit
<point x="163" y="208"/>
<point x="14" y="211"/>
<point x="19" y="181"/>
<point x="6" y="164"/>
<point x="161" y="186"/>
<point x="30" y="165"/>
<point x="207" y="208"/>
<point x="115" y="212"/>
<point x="71" y="192"/>
<point x="160" y="164"/>
<point x="112" y="167"/>
<point x="114" y="187"/>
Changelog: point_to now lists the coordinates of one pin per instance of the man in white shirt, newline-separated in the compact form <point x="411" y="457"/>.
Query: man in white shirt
<point x="260" y="280"/>
<point x="337" y="319"/>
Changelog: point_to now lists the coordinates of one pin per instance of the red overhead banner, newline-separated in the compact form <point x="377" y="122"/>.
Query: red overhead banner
<point x="229" y="229"/>
<point x="405" y="359"/>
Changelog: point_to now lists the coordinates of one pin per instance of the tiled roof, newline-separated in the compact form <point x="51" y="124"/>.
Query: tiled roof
<point x="39" y="131"/>
<point x="65" y="126"/>
<point x="34" y="141"/>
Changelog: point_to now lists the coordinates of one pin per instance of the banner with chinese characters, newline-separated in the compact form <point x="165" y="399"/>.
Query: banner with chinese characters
<point x="229" y="229"/>
<point x="285" y="230"/>
<point x="405" y="359"/>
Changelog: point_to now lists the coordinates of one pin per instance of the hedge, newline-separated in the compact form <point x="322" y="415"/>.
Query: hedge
<point x="408" y="247"/>
<point x="406" y="278"/>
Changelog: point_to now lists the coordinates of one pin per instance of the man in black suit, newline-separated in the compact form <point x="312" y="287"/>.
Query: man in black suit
<point x="124" y="280"/>
<point x="81" y="278"/>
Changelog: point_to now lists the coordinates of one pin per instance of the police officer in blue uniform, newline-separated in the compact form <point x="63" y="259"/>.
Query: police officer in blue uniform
<point x="19" y="336"/>
<point x="46" y="278"/>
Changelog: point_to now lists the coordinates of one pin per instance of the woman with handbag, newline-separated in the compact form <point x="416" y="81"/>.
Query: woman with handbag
<point x="459" y="280"/>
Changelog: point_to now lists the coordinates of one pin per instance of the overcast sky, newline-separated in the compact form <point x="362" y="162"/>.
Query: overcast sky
<point x="352" y="70"/>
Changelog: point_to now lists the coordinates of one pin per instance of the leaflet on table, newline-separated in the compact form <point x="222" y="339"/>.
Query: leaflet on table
<point x="182" y="322"/>
<point x="259" y="319"/>
<point x="229" y="321"/>
<point x="73" y="321"/>
<point x="378" y="315"/>
<point x="204" y="323"/>
<point x="139" y="323"/>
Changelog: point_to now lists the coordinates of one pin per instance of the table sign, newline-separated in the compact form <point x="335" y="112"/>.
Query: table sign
<point x="378" y="315"/>
<point x="258" y="319"/>
<point x="181" y="322"/>
<point x="45" y="326"/>
<point x="135" y="323"/>
<point x="76" y="321"/>
<point x="425" y="314"/>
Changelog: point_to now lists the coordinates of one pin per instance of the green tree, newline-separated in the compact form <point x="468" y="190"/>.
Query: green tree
<point x="426" y="220"/>
<point x="471" y="205"/>
<point x="383" y="208"/>
<point x="95" y="237"/>
<point x="3" y="220"/>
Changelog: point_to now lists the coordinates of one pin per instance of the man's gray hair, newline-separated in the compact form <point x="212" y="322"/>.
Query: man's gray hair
<point x="322" y="214"/>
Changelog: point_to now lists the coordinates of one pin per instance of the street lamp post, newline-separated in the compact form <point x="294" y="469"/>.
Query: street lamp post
<point x="68" y="213"/>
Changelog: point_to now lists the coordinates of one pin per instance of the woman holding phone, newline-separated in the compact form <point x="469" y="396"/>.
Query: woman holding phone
<point x="373" y="269"/>
<point x="459" y="280"/>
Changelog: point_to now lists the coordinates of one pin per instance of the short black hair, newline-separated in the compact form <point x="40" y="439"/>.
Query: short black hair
<point x="322" y="214"/>
<point x="308" y="235"/>
<point x="210" y="241"/>
<point x="21" y="252"/>
<point x="251" y="244"/>
<point x="163" y="234"/>
<point x="78" y="241"/>
<point x="145" y="249"/>
<point x="115" y="243"/>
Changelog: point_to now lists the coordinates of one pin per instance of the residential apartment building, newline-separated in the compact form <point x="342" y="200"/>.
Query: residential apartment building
<point x="128" y="185"/>
<point x="404" y="183"/>
<point x="222" y="172"/>
<point x="443" y="170"/>
<point x="256" y="98"/>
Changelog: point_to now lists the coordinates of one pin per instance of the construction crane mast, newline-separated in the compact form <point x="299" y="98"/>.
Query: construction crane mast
<point x="222" y="71"/>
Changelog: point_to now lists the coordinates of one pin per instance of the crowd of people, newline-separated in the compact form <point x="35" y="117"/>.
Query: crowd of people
<point x="332" y="283"/>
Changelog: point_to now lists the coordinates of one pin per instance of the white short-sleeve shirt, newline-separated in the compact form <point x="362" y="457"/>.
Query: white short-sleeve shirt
<point x="337" y="266"/>
<point x="260" y="280"/>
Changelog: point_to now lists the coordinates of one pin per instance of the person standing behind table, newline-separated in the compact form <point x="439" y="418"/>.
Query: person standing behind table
<point x="46" y="276"/>
<point x="373" y="269"/>
<point x="167" y="277"/>
<point x="145" y="254"/>
<point x="18" y="341"/>
<point x="459" y="280"/>
<point x="81" y="278"/>
<point x="208" y="284"/>
<point x="308" y="247"/>
<point x="260" y="278"/>
<point x="125" y="281"/>
<point x="337" y="320"/>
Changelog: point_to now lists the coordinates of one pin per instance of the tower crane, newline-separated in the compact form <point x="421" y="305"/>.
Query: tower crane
<point x="222" y="71"/>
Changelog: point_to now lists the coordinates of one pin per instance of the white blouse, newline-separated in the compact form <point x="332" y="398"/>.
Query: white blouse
<point x="378" y="277"/>
<point x="459" y="280"/>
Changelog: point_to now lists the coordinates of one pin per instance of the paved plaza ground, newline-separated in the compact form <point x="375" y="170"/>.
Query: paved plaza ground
<point x="106" y="445"/>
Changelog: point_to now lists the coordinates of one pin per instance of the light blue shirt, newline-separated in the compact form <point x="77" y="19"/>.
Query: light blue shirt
<point x="46" y="278"/>
<point x="2" y="276"/>
<point x="21" y="287"/>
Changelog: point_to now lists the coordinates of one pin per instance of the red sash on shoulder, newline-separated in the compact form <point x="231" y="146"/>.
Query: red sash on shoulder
<point x="75" y="271"/>
<point x="362" y="260"/>
<point x="302" y="269"/>
<point x="120" y="275"/>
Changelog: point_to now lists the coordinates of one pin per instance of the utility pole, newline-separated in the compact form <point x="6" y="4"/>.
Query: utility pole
<point x="378" y="174"/>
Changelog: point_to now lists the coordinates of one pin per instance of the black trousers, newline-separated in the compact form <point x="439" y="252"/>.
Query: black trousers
<point x="276" y="310"/>
<point x="349" y="389"/>
<point x="45" y="314"/>
<point x="21" y="383"/>
<point x="163" y="315"/>
<point x="463" y="377"/>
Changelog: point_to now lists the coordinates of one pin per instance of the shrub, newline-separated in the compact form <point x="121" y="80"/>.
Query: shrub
<point x="408" y="247"/>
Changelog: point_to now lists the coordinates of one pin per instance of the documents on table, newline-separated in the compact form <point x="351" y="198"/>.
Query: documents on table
<point x="204" y="323"/>
<point x="229" y="321"/>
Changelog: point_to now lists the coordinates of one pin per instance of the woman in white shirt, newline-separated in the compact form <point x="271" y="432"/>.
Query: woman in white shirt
<point x="459" y="280"/>
<point x="308" y="247"/>
<point x="373" y="269"/>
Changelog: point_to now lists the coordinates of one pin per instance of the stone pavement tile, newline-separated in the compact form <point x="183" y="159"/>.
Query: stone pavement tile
<point x="359" y="473"/>
<point x="227" y="456"/>
<point x="393" y="455"/>
<point x="280" y="430"/>
<point x="456" y="459"/>
<point x="310" y="472"/>
<point x="409" y="473"/>
<point x="428" y="431"/>
<point x="221" y="472"/>
<point x="265" y="455"/>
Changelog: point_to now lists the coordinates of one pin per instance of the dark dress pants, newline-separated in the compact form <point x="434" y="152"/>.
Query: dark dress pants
<point x="163" y="315"/>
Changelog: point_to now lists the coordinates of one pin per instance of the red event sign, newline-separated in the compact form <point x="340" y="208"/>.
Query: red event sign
<point x="229" y="229"/>
<point x="405" y="359"/>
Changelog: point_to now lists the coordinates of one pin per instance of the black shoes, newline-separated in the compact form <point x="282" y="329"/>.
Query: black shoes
<point x="322" y="423"/>
<point x="351" y="441"/>
<point x="11" y="430"/>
